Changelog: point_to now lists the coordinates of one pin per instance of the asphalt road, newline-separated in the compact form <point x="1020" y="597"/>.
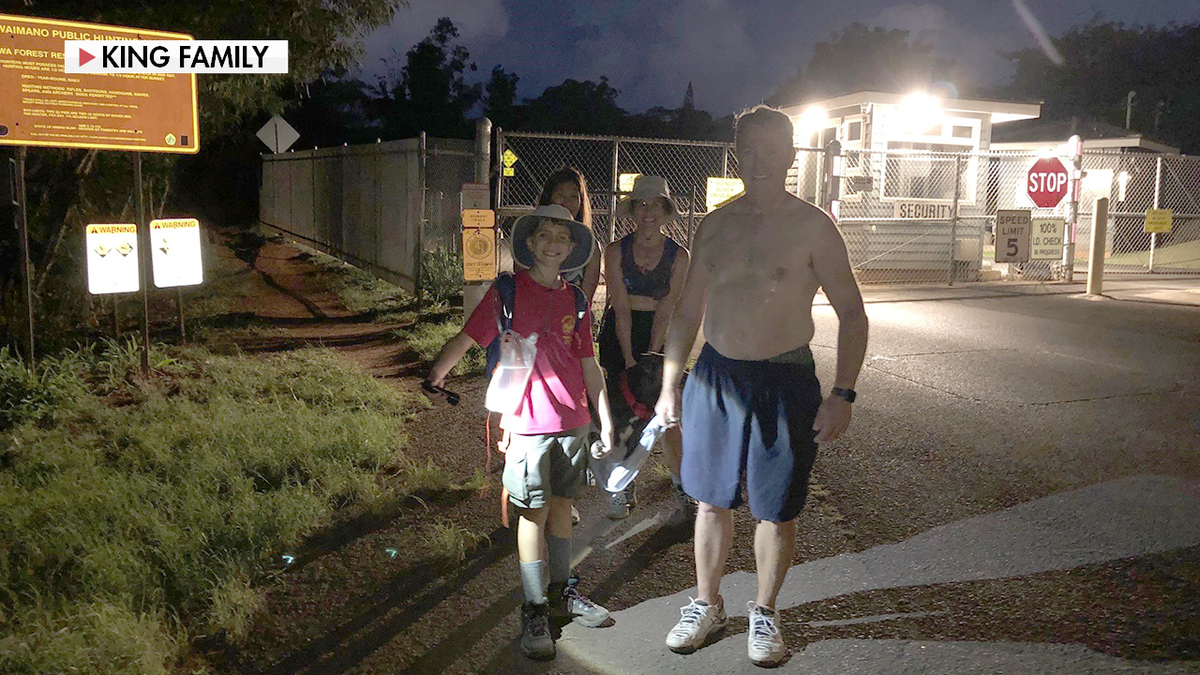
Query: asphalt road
<point x="1020" y="491"/>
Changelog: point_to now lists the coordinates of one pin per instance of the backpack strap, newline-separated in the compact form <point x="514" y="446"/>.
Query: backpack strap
<point x="581" y="305"/>
<point x="506" y="287"/>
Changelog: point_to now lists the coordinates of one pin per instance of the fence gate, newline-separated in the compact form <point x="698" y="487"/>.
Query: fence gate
<point x="529" y="158"/>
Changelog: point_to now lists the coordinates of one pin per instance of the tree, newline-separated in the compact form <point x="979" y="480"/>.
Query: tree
<point x="500" y="104"/>
<point x="430" y="93"/>
<point x="1103" y="62"/>
<point x="575" y="107"/>
<point x="857" y="58"/>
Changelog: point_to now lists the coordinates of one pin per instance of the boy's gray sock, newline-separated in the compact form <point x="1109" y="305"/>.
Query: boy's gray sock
<point x="558" y="550"/>
<point x="533" y="581"/>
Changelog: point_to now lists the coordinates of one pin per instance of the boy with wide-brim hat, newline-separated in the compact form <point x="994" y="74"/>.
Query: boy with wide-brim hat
<point x="547" y="436"/>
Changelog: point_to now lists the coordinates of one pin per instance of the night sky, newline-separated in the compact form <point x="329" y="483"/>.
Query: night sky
<point x="735" y="52"/>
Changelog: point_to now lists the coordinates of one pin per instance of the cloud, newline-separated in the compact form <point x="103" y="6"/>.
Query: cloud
<point x="976" y="53"/>
<point x="479" y="23"/>
<point x="651" y="51"/>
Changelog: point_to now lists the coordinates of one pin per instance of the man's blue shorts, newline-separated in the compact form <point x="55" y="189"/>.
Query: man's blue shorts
<point x="751" y="418"/>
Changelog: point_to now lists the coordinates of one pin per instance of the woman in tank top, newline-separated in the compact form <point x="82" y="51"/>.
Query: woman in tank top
<point x="644" y="274"/>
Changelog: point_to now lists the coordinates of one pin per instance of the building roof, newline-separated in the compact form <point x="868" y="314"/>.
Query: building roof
<point x="1001" y="111"/>
<point x="1034" y="134"/>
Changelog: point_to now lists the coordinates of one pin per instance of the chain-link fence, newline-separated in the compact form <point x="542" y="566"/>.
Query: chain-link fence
<point x="377" y="206"/>
<point x="529" y="158"/>
<point x="1135" y="183"/>
<point x="919" y="216"/>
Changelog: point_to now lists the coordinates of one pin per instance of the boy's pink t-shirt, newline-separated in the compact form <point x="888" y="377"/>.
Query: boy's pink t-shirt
<point x="556" y="399"/>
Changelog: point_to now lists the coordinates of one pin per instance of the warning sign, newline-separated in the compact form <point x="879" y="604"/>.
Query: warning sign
<point x="479" y="254"/>
<point x="721" y="191"/>
<point x="112" y="258"/>
<point x="1158" y="220"/>
<point x="42" y="105"/>
<point x="175" y="252"/>
<point x="625" y="181"/>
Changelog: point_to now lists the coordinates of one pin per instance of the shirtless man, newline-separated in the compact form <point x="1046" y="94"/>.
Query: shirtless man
<point x="752" y="404"/>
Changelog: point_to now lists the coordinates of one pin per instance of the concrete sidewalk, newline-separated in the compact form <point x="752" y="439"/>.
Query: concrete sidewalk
<point x="1135" y="516"/>
<point x="1173" y="290"/>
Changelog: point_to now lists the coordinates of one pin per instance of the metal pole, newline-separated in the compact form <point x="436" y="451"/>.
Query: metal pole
<point x="182" y="322"/>
<point x="958" y="171"/>
<point x="26" y="265"/>
<point x="616" y="186"/>
<point x="143" y="253"/>
<point x="419" y="263"/>
<point x="833" y="184"/>
<point x="692" y="216"/>
<point x="1076" y="144"/>
<point x="1157" y="189"/>
<point x="725" y="163"/>
<point x="1095" y="280"/>
<point x="499" y="202"/>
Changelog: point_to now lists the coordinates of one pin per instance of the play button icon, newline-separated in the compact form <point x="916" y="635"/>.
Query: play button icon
<point x="84" y="57"/>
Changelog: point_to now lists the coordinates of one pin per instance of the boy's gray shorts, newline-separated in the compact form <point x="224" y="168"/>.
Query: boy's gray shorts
<point x="545" y="465"/>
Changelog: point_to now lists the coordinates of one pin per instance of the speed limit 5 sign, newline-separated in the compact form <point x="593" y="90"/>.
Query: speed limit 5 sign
<point x="1012" y="236"/>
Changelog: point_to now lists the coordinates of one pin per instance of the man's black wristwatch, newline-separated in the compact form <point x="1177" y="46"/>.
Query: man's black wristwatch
<point x="847" y="394"/>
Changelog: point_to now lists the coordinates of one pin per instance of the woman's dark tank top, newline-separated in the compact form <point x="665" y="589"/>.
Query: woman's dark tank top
<point x="655" y="283"/>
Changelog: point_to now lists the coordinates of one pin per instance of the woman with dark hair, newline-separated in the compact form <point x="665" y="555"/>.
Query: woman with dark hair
<point x="568" y="188"/>
<point x="645" y="271"/>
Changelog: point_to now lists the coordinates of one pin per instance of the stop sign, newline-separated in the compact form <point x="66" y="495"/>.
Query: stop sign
<point x="1047" y="184"/>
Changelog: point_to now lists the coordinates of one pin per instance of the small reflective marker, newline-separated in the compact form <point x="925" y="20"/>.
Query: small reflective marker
<point x="391" y="552"/>
<point x="288" y="559"/>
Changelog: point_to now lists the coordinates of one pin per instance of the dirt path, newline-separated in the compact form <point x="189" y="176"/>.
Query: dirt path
<point x="368" y="597"/>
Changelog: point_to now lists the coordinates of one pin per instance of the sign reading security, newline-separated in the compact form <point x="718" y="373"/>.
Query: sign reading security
<point x="175" y="56"/>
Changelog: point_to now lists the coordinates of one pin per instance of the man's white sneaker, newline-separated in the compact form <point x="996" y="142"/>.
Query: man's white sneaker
<point x="765" y="646"/>
<point x="698" y="622"/>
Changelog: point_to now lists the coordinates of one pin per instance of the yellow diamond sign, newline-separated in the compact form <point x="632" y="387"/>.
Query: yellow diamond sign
<point x="509" y="158"/>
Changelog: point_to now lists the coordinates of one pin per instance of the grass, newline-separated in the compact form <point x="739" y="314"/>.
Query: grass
<point x="450" y="540"/>
<point x="139" y="512"/>
<point x="427" y="336"/>
<point x="360" y="291"/>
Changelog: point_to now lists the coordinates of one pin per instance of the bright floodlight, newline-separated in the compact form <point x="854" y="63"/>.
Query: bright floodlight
<point x="812" y="120"/>
<point x="918" y="111"/>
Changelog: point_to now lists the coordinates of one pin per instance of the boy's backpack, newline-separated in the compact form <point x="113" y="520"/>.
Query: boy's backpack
<point x="506" y="286"/>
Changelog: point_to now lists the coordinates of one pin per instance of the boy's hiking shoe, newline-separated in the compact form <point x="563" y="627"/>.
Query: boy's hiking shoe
<point x="621" y="503"/>
<point x="536" y="642"/>
<point x="700" y="621"/>
<point x="765" y="644"/>
<point x="566" y="599"/>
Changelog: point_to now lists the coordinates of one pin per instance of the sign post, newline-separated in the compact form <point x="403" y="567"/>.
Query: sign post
<point x="43" y="105"/>
<point x="1012" y="236"/>
<point x="177" y="259"/>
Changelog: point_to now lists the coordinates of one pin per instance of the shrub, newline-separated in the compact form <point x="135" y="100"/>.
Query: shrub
<point x="441" y="276"/>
